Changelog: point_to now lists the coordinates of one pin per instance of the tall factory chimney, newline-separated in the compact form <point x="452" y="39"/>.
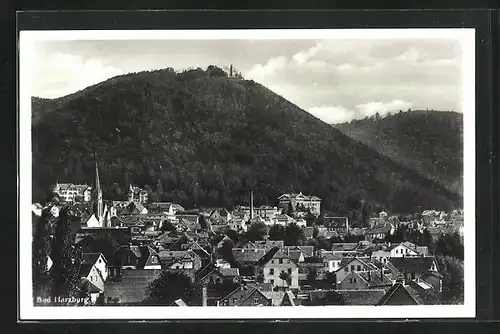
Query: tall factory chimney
<point x="251" y="204"/>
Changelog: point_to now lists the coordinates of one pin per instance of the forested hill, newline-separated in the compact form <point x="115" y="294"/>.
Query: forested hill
<point x="430" y="142"/>
<point x="201" y="138"/>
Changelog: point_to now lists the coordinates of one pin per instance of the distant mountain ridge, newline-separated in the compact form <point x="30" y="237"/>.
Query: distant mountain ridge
<point x="199" y="137"/>
<point x="428" y="141"/>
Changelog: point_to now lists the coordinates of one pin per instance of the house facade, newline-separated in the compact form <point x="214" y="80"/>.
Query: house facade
<point x="70" y="192"/>
<point x="279" y="263"/>
<point x="312" y="203"/>
<point x="99" y="261"/>
<point x="136" y="194"/>
<point x="350" y="265"/>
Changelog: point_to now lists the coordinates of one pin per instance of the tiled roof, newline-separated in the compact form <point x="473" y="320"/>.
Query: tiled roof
<point x="268" y="244"/>
<point x="412" y="264"/>
<point x="362" y="297"/>
<point x="300" y="195"/>
<point x="331" y="257"/>
<point x="380" y="229"/>
<point x="241" y="255"/>
<point x="91" y="258"/>
<point x="395" y="287"/>
<point x="229" y="272"/>
<point x="276" y="297"/>
<point x="374" y="277"/>
<point x="85" y="269"/>
<point x="344" y="246"/>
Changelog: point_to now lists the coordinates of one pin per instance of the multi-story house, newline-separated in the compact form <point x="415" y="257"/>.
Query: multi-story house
<point x="339" y="225"/>
<point x="299" y="200"/>
<point x="397" y="250"/>
<point x="331" y="262"/>
<point x="364" y="280"/>
<point x="99" y="261"/>
<point x="349" y="265"/>
<point x="278" y="263"/>
<point x="70" y="192"/>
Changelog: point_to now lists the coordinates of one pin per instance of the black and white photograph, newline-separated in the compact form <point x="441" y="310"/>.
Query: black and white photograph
<point x="239" y="174"/>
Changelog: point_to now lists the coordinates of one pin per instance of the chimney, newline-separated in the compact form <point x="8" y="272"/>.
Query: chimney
<point x="251" y="204"/>
<point x="204" y="292"/>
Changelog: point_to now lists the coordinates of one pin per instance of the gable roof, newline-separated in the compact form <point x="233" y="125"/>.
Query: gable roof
<point x="178" y="302"/>
<point x="362" y="297"/>
<point x="374" y="277"/>
<point x="91" y="258"/>
<point x="85" y="269"/>
<point x="392" y="290"/>
<point x="241" y="255"/>
<point x="411" y="264"/>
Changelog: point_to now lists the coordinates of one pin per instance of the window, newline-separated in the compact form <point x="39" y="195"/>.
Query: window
<point x="359" y="267"/>
<point x="354" y="280"/>
<point x="352" y="267"/>
<point x="271" y="281"/>
<point x="326" y="264"/>
<point x="346" y="269"/>
<point x="280" y="260"/>
<point x="100" y="260"/>
<point x="397" y="251"/>
<point x="271" y="271"/>
<point x="350" y="280"/>
<point x="412" y="275"/>
<point x="290" y="271"/>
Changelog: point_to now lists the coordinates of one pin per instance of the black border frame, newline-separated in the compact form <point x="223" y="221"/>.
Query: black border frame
<point x="484" y="21"/>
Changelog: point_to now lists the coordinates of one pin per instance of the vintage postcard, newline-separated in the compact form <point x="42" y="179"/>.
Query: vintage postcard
<point x="239" y="174"/>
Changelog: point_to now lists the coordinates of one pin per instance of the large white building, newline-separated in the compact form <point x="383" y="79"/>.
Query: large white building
<point x="69" y="192"/>
<point x="312" y="203"/>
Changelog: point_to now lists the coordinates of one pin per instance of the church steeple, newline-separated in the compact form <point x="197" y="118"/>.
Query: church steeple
<point x="98" y="205"/>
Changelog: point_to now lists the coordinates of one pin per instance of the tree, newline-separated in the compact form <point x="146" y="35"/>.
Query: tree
<point x="104" y="244"/>
<point x="67" y="259"/>
<point x="277" y="232"/>
<point x="233" y="235"/>
<point x="226" y="251"/>
<point x="312" y="275"/>
<point x="257" y="231"/>
<point x="294" y="235"/>
<point x="286" y="277"/>
<point x="167" y="226"/>
<point x="170" y="286"/>
<point x="330" y="278"/>
<point x="41" y="251"/>
<point x="452" y="270"/>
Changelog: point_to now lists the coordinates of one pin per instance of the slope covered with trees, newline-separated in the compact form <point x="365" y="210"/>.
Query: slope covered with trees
<point x="199" y="137"/>
<point x="427" y="141"/>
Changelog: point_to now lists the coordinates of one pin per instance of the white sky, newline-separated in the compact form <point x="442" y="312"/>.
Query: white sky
<point x="336" y="80"/>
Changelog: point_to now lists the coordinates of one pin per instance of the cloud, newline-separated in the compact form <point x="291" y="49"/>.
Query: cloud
<point x="60" y="74"/>
<point x="371" y="108"/>
<point x="340" y="114"/>
<point x="333" y="79"/>
<point x="338" y="79"/>
<point x="333" y="114"/>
